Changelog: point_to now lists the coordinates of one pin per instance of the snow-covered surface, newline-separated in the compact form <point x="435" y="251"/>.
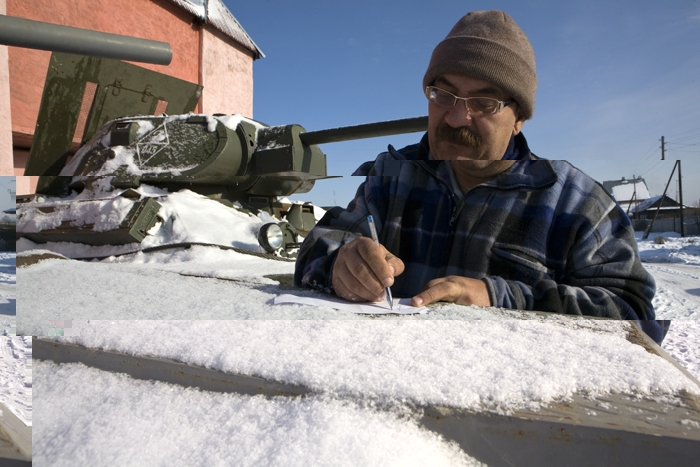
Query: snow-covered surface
<point x="672" y="249"/>
<point x="224" y="318"/>
<point x="92" y="417"/>
<point x="15" y="352"/>
<point x="7" y="325"/>
<point x="16" y="376"/>
<point x="8" y="293"/>
<point x="214" y="12"/>
<point x="646" y="204"/>
<point x="625" y="191"/>
<point x="150" y="140"/>
<point x="186" y="217"/>
<point x="675" y="265"/>
<point x="158" y="285"/>
<point x="8" y="284"/>
<point x="102" y="215"/>
<point x="683" y="344"/>
<point x="442" y="362"/>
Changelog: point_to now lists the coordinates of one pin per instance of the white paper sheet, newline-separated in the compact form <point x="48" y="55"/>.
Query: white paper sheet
<point x="401" y="306"/>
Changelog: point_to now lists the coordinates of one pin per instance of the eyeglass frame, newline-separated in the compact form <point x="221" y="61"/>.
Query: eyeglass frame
<point x="501" y="104"/>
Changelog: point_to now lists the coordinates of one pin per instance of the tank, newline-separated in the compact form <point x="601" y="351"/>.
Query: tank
<point x="107" y="154"/>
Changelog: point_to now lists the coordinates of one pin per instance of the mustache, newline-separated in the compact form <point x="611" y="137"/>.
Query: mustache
<point x="462" y="135"/>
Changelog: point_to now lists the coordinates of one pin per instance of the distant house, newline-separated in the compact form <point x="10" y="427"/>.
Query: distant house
<point x="670" y="208"/>
<point x="628" y="193"/>
<point x="210" y="48"/>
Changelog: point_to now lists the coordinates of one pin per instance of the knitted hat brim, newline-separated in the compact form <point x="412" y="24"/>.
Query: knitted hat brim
<point x="487" y="60"/>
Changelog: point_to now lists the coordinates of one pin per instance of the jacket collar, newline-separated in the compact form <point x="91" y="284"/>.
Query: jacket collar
<point x="528" y="172"/>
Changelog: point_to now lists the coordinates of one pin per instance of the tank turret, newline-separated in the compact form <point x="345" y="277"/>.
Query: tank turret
<point x="123" y="146"/>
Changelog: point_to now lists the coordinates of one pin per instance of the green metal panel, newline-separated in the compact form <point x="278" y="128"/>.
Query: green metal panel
<point x="141" y="217"/>
<point x="281" y="153"/>
<point x="182" y="149"/>
<point x="122" y="90"/>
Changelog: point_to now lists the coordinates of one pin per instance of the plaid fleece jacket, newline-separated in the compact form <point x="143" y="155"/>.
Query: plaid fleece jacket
<point x="543" y="235"/>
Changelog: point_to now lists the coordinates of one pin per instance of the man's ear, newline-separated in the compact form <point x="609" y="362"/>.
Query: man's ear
<point x="518" y="125"/>
<point x="519" y="119"/>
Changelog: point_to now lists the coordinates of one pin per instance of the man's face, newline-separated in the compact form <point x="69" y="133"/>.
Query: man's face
<point x="484" y="139"/>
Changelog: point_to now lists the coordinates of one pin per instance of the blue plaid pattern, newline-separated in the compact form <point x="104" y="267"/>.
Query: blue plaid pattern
<point x="543" y="234"/>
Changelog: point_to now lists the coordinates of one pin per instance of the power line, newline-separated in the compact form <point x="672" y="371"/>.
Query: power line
<point x="684" y="132"/>
<point x="651" y="168"/>
<point x="687" y="138"/>
<point x="650" y="152"/>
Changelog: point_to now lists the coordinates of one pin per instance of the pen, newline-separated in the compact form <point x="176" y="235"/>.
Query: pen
<point x="375" y="237"/>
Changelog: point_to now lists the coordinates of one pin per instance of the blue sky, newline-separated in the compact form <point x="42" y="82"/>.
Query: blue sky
<point x="613" y="78"/>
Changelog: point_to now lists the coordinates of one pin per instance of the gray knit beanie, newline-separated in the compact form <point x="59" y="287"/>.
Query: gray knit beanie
<point x="488" y="45"/>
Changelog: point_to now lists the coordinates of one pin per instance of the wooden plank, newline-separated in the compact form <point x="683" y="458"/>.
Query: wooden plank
<point x="15" y="439"/>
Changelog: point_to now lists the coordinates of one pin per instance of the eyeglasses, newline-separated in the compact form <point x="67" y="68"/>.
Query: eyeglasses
<point x="477" y="106"/>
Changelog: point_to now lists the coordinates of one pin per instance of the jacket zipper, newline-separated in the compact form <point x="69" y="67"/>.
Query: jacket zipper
<point x="456" y="211"/>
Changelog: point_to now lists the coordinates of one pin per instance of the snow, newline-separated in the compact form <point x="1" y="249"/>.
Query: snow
<point x="215" y="13"/>
<point x="102" y="215"/>
<point x="443" y="362"/>
<point x="626" y="191"/>
<point x="675" y="265"/>
<point x="16" y="376"/>
<point x="646" y="203"/>
<point x="214" y="308"/>
<point x="673" y="249"/>
<point x="8" y="284"/>
<point x="121" y="421"/>
<point x="133" y="159"/>
<point x="682" y="344"/>
<point x="186" y="217"/>
<point x="15" y="352"/>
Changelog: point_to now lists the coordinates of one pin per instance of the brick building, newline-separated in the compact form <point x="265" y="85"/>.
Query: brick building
<point x="209" y="46"/>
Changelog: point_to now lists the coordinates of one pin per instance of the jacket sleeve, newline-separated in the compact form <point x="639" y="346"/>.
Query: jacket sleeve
<point x="338" y="227"/>
<point x="603" y="275"/>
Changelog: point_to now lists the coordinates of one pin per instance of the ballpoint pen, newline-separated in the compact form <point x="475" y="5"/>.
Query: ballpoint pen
<point x="375" y="237"/>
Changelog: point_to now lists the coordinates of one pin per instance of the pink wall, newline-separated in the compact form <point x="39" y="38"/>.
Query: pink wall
<point x="147" y="19"/>
<point x="227" y="75"/>
<point x="26" y="185"/>
<point x="5" y="121"/>
<point x="200" y="55"/>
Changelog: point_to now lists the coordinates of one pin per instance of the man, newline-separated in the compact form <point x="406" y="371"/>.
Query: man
<point x="469" y="215"/>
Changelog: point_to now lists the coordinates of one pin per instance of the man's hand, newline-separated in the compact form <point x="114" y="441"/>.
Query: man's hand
<point x="457" y="289"/>
<point x="363" y="269"/>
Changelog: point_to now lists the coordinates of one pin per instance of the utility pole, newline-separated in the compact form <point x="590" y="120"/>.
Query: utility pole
<point x="663" y="149"/>
<point x="661" y="202"/>
<point x="680" y="196"/>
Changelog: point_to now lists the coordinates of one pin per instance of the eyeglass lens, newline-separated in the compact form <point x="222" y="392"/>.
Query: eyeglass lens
<point x="476" y="105"/>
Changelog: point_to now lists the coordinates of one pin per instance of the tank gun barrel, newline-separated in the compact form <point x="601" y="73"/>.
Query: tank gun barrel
<point x="20" y="32"/>
<point x="367" y="130"/>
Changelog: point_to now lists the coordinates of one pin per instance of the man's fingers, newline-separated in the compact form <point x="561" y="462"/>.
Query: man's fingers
<point x="353" y="276"/>
<point x="351" y="280"/>
<point x="438" y="290"/>
<point x="395" y="264"/>
<point x="375" y="257"/>
<point x="363" y="270"/>
<point x="457" y="289"/>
